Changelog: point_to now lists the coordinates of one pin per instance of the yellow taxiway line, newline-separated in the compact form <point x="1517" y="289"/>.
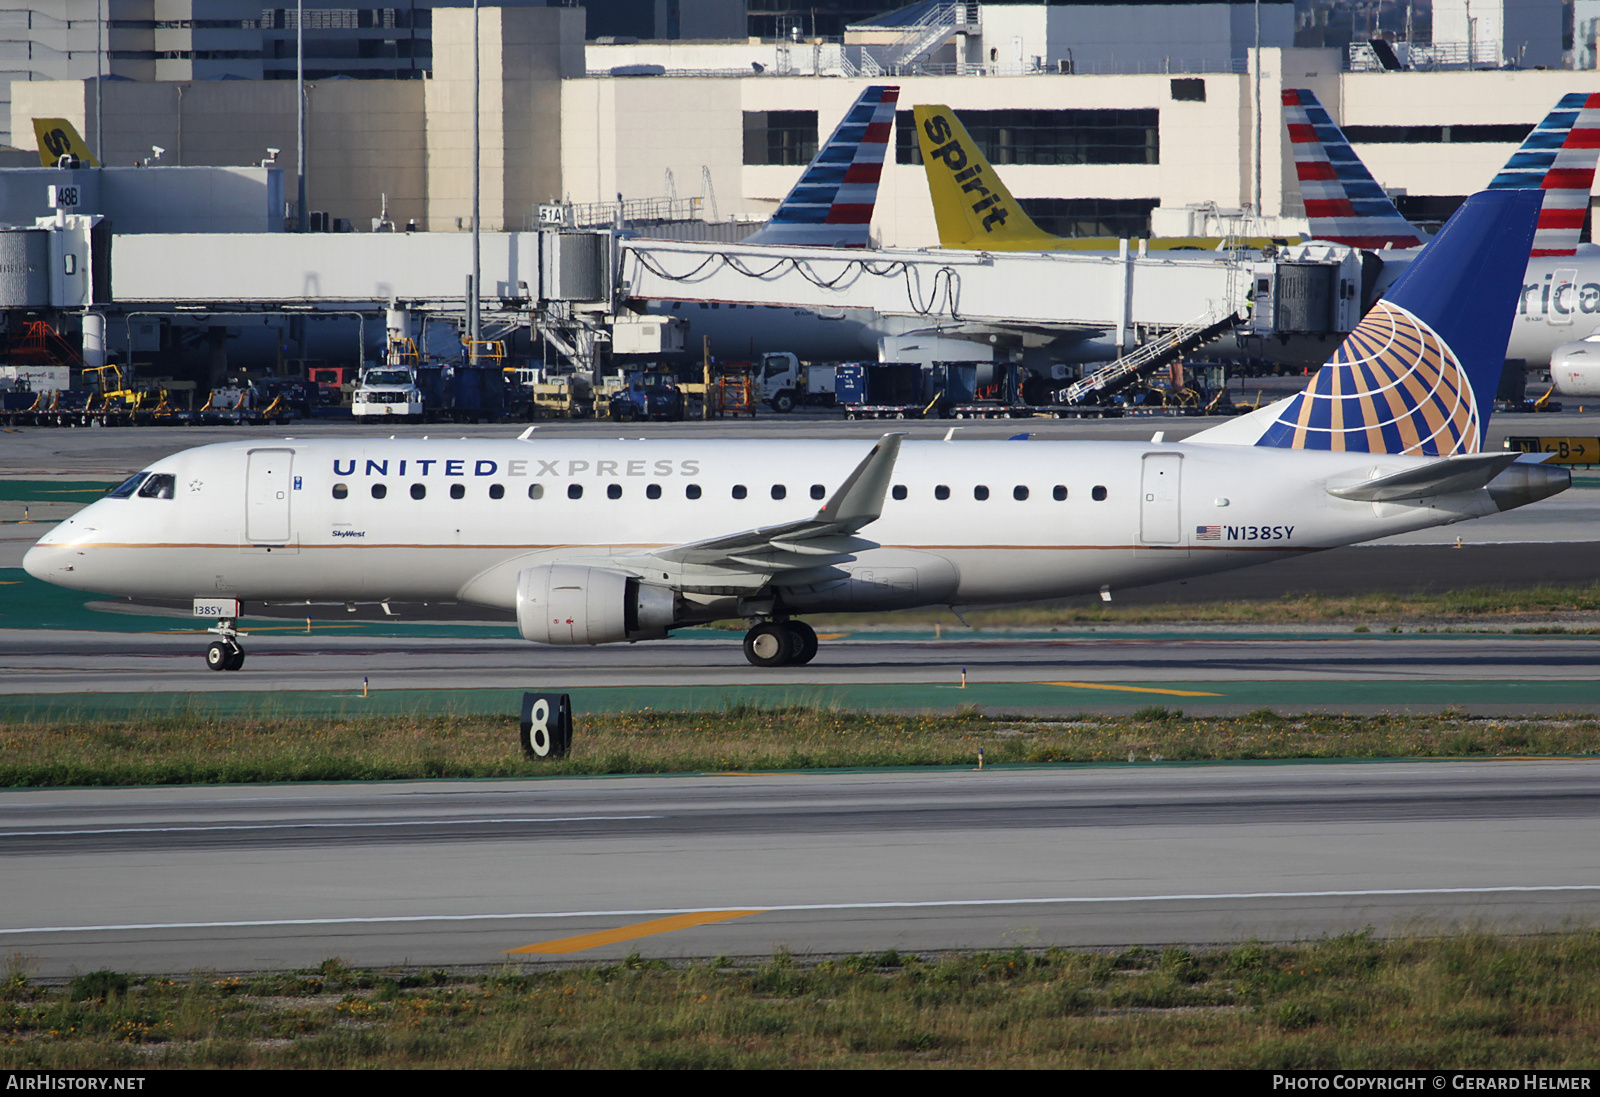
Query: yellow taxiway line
<point x="629" y="933"/>
<point x="1134" y="689"/>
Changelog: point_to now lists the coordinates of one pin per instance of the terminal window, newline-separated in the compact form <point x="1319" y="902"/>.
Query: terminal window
<point x="784" y="137"/>
<point x="1118" y="217"/>
<point x="1049" y="136"/>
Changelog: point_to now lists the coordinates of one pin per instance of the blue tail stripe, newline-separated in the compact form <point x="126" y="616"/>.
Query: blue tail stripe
<point x="1546" y="139"/>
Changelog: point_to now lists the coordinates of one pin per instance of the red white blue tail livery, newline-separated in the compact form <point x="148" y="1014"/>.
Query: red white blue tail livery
<point x="831" y="206"/>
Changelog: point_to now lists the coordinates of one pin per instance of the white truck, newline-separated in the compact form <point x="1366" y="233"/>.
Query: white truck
<point x="389" y="392"/>
<point x="786" y="384"/>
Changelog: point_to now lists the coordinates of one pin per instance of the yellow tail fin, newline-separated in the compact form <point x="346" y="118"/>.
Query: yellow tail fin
<point x="59" y="137"/>
<point x="971" y="205"/>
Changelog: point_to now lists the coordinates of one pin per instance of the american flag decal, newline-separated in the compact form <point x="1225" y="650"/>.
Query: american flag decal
<point x="1208" y="533"/>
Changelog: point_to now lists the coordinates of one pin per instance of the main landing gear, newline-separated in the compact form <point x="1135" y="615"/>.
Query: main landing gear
<point x="780" y="644"/>
<point x="225" y="654"/>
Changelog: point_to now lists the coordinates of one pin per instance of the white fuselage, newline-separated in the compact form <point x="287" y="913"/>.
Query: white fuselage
<point x="295" y="519"/>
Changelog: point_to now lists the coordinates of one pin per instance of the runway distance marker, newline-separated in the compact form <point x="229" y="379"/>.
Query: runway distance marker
<point x="1134" y="689"/>
<point x="586" y="941"/>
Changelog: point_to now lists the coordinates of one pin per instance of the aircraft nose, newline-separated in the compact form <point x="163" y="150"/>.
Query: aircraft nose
<point x="44" y="561"/>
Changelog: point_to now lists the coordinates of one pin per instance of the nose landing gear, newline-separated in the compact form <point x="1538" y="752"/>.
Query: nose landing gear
<point x="225" y="654"/>
<point x="780" y="644"/>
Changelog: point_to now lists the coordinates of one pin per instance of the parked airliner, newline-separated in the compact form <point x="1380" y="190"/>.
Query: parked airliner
<point x="1560" y="294"/>
<point x="594" y="542"/>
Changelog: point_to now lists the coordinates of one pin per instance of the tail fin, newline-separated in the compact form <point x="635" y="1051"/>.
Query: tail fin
<point x="57" y="138"/>
<point x="831" y="205"/>
<point x="1558" y="157"/>
<point x="971" y="205"/>
<point x="1419" y="373"/>
<point x="1343" y="202"/>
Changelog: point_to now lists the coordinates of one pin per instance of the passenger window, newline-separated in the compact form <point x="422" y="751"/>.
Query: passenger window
<point x="535" y="491"/>
<point x="127" y="487"/>
<point x="818" y="491"/>
<point x="653" y="491"/>
<point x="899" y="491"/>
<point x="941" y="492"/>
<point x="1098" y="494"/>
<point x="418" y="491"/>
<point x="739" y="491"/>
<point x="159" y="486"/>
<point x="1060" y="493"/>
<point x="574" y="491"/>
<point x="497" y="491"/>
<point x="458" y="491"/>
<point x="613" y="491"/>
<point x="980" y="493"/>
<point x="692" y="491"/>
<point x="379" y="490"/>
<point x="1019" y="493"/>
<point x="779" y="491"/>
<point x="341" y="491"/>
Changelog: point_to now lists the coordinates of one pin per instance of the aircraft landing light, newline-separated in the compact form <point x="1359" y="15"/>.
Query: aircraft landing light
<point x="1133" y="689"/>
<point x="628" y="933"/>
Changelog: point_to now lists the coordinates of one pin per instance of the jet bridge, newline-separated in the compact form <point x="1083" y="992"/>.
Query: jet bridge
<point x="1123" y="293"/>
<point x="581" y="283"/>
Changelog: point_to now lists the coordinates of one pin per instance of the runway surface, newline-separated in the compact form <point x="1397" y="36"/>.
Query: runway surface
<point x="465" y="873"/>
<point x="241" y="878"/>
<point x="1225" y="672"/>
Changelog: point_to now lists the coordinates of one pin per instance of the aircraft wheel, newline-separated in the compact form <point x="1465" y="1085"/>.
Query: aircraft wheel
<point x="805" y="643"/>
<point x="235" y="659"/>
<point x="769" y="645"/>
<point x="218" y="656"/>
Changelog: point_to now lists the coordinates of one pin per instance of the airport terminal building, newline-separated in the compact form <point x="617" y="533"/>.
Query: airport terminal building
<point x="1100" y="127"/>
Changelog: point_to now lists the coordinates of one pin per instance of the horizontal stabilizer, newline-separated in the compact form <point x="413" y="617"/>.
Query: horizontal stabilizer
<point x="1463" y="473"/>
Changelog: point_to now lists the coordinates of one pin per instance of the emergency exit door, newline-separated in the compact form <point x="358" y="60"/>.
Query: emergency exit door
<point x="268" y="485"/>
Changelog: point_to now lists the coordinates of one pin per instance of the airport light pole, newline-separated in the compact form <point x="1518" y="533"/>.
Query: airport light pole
<point x="300" y="110"/>
<point x="474" y="328"/>
<point x="1256" y="198"/>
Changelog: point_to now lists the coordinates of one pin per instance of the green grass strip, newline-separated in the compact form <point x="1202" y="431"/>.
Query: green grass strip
<point x="1477" y="1001"/>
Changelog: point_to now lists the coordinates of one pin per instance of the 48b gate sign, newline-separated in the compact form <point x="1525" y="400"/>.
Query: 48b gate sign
<point x="546" y="725"/>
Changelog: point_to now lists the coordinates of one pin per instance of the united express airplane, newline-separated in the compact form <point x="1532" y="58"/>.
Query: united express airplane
<point x="593" y="542"/>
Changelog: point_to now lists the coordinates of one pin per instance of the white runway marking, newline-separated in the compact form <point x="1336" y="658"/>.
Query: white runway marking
<point x="776" y="909"/>
<point x="314" y="826"/>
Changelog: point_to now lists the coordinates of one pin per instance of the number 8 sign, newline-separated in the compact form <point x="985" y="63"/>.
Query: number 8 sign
<point x="546" y="725"/>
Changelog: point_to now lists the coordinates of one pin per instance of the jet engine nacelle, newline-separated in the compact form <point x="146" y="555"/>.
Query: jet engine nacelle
<point x="572" y="604"/>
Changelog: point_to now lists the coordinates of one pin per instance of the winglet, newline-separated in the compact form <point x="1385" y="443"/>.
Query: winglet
<point x="859" y="499"/>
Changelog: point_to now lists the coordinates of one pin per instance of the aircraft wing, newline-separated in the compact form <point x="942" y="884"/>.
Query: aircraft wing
<point x="825" y="538"/>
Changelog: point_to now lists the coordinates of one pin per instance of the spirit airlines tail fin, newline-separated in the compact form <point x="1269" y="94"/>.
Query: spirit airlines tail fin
<point x="831" y="205"/>
<point x="1419" y="373"/>
<point x="57" y="138"/>
<point x="1346" y="206"/>
<point x="971" y="206"/>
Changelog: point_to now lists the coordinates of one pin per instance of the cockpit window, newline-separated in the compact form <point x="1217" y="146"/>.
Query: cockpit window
<point x="127" y="487"/>
<point x="159" y="486"/>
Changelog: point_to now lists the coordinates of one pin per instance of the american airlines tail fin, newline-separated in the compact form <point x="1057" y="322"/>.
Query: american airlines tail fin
<point x="971" y="206"/>
<point x="831" y="205"/>
<point x="1558" y="157"/>
<point x="1346" y="206"/>
<point x="57" y="138"/>
<point x="1419" y="373"/>
<point x="1343" y="202"/>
